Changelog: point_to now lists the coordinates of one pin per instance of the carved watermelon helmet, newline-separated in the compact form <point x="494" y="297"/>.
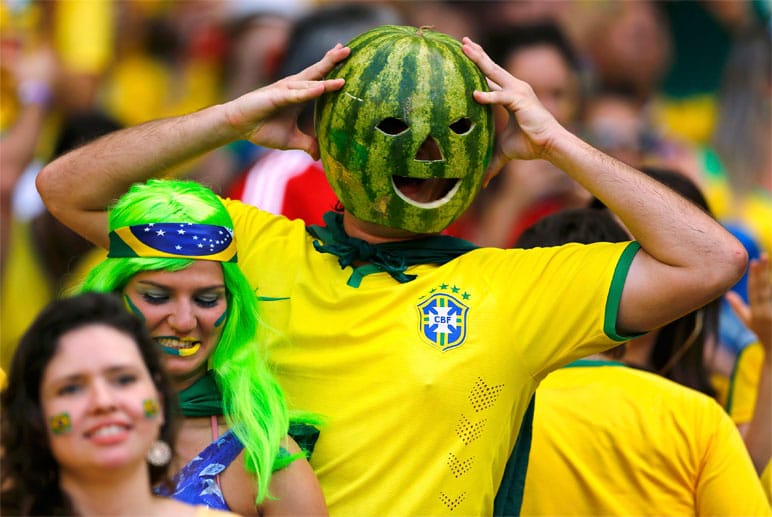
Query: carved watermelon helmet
<point x="403" y="143"/>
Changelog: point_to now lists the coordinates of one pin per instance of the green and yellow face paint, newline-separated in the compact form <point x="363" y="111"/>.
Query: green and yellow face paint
<point x="173" y="345"/>
<point x="133" y="308"/>
<point x="60" y="424"/>
<point x="221" y="319"/>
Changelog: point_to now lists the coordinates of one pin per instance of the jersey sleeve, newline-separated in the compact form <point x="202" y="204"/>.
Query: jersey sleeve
<point x="559" y="303"/>
<point x="265" y="241"/>
<point x="744" y="383"/>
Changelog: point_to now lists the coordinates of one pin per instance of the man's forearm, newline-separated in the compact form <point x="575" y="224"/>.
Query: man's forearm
<point x="691" y="247"/>
<point x="111" y="164"/>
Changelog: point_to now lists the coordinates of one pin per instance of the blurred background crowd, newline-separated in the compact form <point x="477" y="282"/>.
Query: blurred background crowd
<point x="680" y="85"/>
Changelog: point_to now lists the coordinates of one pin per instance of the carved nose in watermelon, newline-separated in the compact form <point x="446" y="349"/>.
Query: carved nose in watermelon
<point x="429" y="151"/>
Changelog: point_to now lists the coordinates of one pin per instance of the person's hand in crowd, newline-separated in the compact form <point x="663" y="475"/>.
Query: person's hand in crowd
<point x="268" y="116"/>
<point x="39" y="66"/>
<point x="34" y="74"/>
<point x="757" y="314"/>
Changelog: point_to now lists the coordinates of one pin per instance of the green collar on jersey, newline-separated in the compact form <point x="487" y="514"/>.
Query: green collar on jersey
<point x="594" y="362"/>
<point x="203" y="398"/>
<point x="390" y="257"/>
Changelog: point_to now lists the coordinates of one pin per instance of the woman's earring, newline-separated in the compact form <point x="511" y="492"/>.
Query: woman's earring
<point x="159" y="454"/>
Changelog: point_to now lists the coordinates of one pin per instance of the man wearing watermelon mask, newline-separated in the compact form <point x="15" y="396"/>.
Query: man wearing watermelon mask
<point x="422" y="351"/>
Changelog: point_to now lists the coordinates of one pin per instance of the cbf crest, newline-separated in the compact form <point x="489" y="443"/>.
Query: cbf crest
<point x="443" y="318"/>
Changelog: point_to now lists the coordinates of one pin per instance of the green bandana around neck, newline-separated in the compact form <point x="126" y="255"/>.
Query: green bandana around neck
<point x="390" y="257"/>
<point x="202" y="398"/>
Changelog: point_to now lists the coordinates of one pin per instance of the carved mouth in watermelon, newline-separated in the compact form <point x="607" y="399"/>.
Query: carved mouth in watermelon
<point x="425" y="193"/>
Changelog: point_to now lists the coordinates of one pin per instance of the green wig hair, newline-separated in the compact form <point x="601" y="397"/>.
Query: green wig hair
<point x="253" y="403"/>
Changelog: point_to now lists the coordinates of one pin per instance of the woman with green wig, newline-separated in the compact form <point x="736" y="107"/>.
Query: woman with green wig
<point x="173" y="259"/>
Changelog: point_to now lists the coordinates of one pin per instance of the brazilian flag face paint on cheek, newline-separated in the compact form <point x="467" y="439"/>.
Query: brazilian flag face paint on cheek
<point x="60" y="424"/>
<point x="150" y="408"/>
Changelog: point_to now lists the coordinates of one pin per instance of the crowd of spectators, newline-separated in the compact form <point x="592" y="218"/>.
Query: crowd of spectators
<point x="684" y="86"/>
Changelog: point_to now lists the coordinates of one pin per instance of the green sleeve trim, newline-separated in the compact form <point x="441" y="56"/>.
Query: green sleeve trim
<point x="593" y="362"/>
<point x="509" y="497"/>
<point x="615" y="293"/>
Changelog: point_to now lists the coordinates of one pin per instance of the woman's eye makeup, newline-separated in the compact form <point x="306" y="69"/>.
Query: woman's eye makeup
<point x="155" y="297"/>
<point x="208" y="300"/>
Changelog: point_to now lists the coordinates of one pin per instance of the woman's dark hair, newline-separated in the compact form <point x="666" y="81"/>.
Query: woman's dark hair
<point x="679" y="348"/>
<point x="582" y="225"/>
<point x="29" y="471"/>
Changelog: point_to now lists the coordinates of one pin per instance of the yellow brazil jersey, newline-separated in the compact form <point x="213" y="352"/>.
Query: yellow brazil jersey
<point x="743" y="385"/>
<point x="424" y="383"/>
<point x="737" y="392"/>
<point x="612" y="440"/>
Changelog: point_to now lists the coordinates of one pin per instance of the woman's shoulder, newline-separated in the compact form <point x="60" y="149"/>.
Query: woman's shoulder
<point x="239" y="488"/>
<point x="205" y="511"/>
<point x="181" y="509"/>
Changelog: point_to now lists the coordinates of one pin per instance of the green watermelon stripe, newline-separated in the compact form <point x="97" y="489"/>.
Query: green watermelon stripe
<point x="363" y="125"/>
<point x="406" y="85"/>
<point x="461" y="108"/>
<point x="441" y="110"/>
<point x="475" y="82"/>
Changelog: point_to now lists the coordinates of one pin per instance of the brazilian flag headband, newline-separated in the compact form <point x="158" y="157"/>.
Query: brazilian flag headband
<point x="173" y="240"/>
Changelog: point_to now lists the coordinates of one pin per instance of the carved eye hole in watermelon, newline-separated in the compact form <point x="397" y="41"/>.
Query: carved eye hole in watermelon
<point x="392" y="126"/>
<point x="429" y="150"/>
<point x="462" y="126"/>
<point x="424" y="193"/>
